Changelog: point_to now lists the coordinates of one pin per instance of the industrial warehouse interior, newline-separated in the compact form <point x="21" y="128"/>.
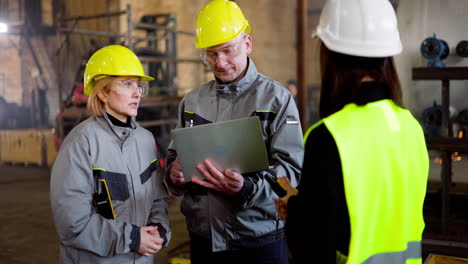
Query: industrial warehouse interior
<point x="45" y="46"/>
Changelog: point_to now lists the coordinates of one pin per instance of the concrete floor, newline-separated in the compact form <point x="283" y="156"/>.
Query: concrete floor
<point x="27" y="231"/>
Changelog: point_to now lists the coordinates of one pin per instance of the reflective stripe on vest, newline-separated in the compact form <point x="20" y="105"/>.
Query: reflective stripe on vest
<point x="412" y="252"/>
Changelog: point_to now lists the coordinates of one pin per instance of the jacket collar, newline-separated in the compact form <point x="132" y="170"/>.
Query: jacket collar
<point x="121" y="132"/>
<point x="240" y="85"/>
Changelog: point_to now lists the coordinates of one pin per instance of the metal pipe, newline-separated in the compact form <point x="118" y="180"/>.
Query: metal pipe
<point x="153" y="26"/>
<point x="301" y="61"/>
<point x="446" y="172"/>
<point x="60" y="129"/>
<point x="150" y="26"/>
<point x="129" y="27"/>
<point x="185" y="32"/>
<point x="90" y="32"/>
<point x="108" y="34"/>
<point x="66" y="19"/>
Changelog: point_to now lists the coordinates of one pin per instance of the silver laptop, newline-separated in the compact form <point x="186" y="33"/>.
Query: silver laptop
<point x="235" y="144"/>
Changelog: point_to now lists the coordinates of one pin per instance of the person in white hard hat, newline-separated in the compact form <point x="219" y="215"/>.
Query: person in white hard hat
<point x="366" y="162"/>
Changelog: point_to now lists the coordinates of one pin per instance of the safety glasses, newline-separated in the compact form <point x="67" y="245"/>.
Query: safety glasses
<point x="212" y="55"/>
<point x="130" y="87"/>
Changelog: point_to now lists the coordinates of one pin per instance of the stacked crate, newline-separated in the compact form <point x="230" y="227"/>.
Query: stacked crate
<point x="28" y="147"/>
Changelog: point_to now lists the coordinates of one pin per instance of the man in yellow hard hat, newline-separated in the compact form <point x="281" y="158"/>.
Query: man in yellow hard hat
<point x="230" y="216"/>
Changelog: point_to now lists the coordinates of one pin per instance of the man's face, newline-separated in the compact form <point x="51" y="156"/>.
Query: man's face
<point x="292" y="88"/>
<point x="228" y="61"/>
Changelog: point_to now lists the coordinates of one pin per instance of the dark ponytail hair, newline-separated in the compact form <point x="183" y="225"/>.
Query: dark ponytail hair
<point x="342" y="79"/>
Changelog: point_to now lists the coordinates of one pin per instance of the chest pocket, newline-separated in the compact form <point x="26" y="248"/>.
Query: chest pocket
<point x="265" y="115"/>
<point x="146" y="175"/>
<point x="192" y="119"/>
<point x="116" y="182"/>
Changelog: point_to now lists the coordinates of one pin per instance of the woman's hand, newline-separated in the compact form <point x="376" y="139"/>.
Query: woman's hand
<point x="150" y="241"/>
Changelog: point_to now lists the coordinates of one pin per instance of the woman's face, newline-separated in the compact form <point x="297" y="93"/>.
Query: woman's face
<point x="123" y="98"/>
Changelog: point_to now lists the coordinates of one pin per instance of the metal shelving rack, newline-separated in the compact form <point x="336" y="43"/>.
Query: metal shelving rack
<point x="447" y="144"/>
<point x="130" y="39"/>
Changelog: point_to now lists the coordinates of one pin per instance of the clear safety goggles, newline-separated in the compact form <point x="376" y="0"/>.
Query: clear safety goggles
<point x="130" y="87"/>
<point x="212" y="55"/>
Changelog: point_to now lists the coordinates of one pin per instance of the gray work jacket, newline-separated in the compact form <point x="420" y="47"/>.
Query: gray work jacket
<point x="249" y="219"/>
<point x="125" y="158"/>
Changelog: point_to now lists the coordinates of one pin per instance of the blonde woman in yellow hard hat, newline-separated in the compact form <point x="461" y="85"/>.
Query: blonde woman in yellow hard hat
<point x="108" y="199"/>
<point x="231" y="216"/>
<point x="366" y="163"/>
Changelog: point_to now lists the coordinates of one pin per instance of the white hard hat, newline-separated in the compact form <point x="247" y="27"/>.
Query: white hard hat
<point x="366" y="28"/>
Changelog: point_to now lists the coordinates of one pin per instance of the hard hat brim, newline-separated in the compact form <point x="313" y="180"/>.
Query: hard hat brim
<point x="142" y="77"/>
<point x="89" y="86"/>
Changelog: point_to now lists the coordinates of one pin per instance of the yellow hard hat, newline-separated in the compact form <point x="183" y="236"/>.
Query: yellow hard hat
<point x="220" y="21"/>
<point x="112" y="60"/>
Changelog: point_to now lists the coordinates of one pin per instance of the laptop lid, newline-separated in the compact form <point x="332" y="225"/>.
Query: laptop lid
<point x="234" y="144"/>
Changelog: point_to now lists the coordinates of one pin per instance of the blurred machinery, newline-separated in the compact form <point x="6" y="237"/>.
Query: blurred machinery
<point x="160" y="51"/>
<point x="462" y="120"/>
<point x="432" y="120"/>
<point x="153" y="38"/>
<point x="13" y="116"/>
<point x="434" y="50"/>
<point x="24" y="26"/>
<point x="462" y="48"/>
<point x="54" y="73"/>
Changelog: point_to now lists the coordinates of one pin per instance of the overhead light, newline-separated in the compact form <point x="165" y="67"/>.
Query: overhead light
<point x="3" y="27"/>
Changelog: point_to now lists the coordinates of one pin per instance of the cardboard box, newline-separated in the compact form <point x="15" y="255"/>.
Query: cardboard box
<point x="441" y="259"/>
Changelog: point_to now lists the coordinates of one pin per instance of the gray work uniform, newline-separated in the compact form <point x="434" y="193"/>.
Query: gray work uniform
<point x="126" y="158"/>
<point x="249" y="219"/>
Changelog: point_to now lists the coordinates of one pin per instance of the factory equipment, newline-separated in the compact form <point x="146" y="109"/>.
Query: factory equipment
<point x="462" y="120"/>
<point x="153" y="40"/>
<point x="432" y="120"/>
<point x="434" y="50"/>
<point x="462" y="48"/>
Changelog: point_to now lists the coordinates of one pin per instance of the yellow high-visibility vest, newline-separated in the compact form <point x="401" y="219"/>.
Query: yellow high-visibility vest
<point x="385" y="169"/>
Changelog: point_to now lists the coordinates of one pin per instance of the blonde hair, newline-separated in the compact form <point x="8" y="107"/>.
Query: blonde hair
<point x="95" y="104"/>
